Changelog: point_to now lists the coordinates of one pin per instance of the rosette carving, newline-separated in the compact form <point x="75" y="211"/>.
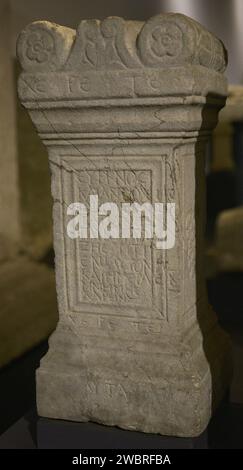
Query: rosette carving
<point x="40" y="46"/>
<point x="44" y="46"/>
<point x="113" y="44"/>
<point x="175" y="39"/>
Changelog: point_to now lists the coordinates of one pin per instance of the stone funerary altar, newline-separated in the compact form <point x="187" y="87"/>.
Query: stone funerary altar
<point x="125" y="109"/>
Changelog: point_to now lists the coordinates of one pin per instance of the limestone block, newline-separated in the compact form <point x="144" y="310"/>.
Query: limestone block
<point x="125" y="109"/>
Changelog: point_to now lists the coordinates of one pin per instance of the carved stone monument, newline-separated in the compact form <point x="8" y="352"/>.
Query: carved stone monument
<point x="228" y="240"/>
<point x="125" y="109"/>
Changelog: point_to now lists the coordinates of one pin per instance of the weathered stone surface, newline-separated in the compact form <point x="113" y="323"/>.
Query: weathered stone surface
<point x="125" y="109"/>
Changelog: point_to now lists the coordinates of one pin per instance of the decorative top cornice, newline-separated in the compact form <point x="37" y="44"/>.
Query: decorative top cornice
<point x="115" y="44"/>
<point x="118" y="62"/>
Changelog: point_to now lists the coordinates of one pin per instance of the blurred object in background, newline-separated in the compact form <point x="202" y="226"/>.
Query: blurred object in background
<point x="224" y="257"/>
<point x="220" y="196"/>
<point x="28" y="311"/>
<point x="28" y="306"/>
<point x="10" y="231"/>
<point x="225" y="178"/>
<point x="35" y="204"/>
<point x="232" y="116"/>
<point x="25" y="199"/>
<point x="229" y="240"/>
<point x="225" y="188"/>
<point x="238" y="154"/>
<point x="229" y="223"/>
<point x="222" y="147"/>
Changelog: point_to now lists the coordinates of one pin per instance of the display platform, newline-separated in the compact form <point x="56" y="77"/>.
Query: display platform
<point x="57" y="434"/>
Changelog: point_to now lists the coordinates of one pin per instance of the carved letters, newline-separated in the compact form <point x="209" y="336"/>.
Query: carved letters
<point x="117" y="276"/>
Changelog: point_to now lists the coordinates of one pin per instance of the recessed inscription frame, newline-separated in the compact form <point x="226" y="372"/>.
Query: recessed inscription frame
<point x="168" y="168"/>
<point x="74" y="171"/>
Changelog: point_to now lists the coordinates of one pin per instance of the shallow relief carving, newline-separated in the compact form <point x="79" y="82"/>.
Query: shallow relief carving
<point x="111" y="44"/>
